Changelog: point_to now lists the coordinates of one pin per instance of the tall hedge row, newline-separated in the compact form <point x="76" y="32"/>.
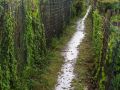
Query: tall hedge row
<point x="106" y="70"/>
<point x="34" y="45"/>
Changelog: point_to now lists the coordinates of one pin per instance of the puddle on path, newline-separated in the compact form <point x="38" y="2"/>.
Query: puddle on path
<point x="66" y="75"/>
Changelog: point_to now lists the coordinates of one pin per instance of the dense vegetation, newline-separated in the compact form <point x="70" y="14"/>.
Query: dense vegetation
<point x="25" y="56"/>
<point x="106" y="42"/>
<point x="34" y="47"/>
<point x="23" y="52"/>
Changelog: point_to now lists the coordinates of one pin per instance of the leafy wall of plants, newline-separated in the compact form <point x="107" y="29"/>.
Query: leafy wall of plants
<point x="7" y="55"/>
<point x="97" y="42"/>
<point x="34" y="46"/>
<point x="106" y="71"/>
<point x="114" y="61"/>
<point x="23" y="39"/>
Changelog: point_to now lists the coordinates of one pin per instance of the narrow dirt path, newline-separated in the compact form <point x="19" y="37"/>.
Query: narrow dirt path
<point x="70" y="54"/>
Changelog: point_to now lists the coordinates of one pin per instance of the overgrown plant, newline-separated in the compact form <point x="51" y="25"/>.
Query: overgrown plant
<point x="34" y="42"/>
<point x="7" y="54"/>
<point x="97" y="39"/>
<point x="113" y="58"/>
<point x="107" y="74"/>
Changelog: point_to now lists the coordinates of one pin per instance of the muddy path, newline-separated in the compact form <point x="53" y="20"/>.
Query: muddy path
<point x="70" y="54"/>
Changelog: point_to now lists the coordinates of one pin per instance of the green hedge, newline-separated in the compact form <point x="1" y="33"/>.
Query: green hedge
<point x="34" y="47"/>
<point x="107" y="77"/>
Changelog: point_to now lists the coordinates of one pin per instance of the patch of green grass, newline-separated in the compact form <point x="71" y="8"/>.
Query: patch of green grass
<point x="85" y="61"/>
<point x="49" y="78"/>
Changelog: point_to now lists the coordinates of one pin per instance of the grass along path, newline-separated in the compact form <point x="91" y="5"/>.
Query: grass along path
<point x="85" y="61"/>
<point x="49" y="78"/>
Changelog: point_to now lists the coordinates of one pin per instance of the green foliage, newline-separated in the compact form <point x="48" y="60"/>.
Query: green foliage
<point x="40" y="42"/>
<point x="102" y="80"/>
<point x="29" y="45"/>
<point x="34" y="43"/>
<point x="34" y="47"/>
<point x="110" y="4"/>
<point x="7" y="54"/>
<point x="0" y="77"/>
<point x="97" y="41"/>
<point x="116" y="82"/>
<point x="97" y="33"/>
<point x="78" y="7"/>
<point x="1" y="8"/>
<point x="115" y="18"/>
<point x="115" y="57"/>
<point x="111" y="67"/>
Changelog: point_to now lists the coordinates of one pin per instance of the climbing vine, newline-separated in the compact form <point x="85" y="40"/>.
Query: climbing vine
<point x="29" y="44"/>
<point x="35" y="45"/>
<point x="107" y="73"/>
<point x="97" y="33"/>
<point x="114" y="57"/>
<point x="97" y="39"/>
<point x="7" y="54"/>
<point x="40" y="42"/>
<point x="21" y="27"/>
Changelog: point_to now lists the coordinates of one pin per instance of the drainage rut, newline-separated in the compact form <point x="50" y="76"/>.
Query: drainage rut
<point x="66" y="75"/>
